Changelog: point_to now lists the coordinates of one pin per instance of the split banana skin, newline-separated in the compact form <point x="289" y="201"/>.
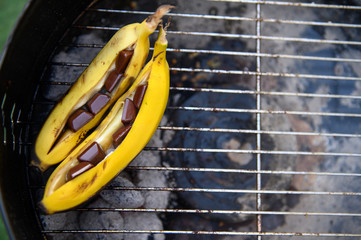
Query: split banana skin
<point x="137" y="102"/>
<point x="59" y="136"/>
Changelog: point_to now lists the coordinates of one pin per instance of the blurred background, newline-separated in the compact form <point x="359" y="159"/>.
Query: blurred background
<point x="10" y="10"/>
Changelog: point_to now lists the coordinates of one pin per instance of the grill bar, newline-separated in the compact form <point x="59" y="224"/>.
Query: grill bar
<point x="3" y="119"/>
<point x="254" y="92"/>
<point x="258" y="131"/>
<point x="237" y="72"/>
<point x="240" y="36"/>
<point x="212" y="211"/>
<point x="240" y="110"/>
<point x="230" y="130"/>
<point x="292" y="4"/>
<point x="234" y="18"/>
<point x="218" y="150"/>
<point x="269" y="74"/>
<point x="251" y="191"/>
<point x="255" y="111"/>
<point x="247" y="36"/>
<point x="246" y="171"/>
<point x="232" y="53"/>
<point x="228" y="233"/>
<point x="258" y="119"/>
<point x="227" y="190"/>
<point x="233" y="91"/>
<point x="260" y="54"/>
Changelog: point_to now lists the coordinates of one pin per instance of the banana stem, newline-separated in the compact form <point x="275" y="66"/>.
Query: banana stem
<point x="155" y="19"/>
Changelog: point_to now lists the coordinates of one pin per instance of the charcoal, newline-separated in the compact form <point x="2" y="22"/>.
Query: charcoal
<point x="142" y="221"/>
<point x="122" y="198"/>
<point x="153" y="199"/>
<point x="98" y="220"/>
<point x="61" y="221"/>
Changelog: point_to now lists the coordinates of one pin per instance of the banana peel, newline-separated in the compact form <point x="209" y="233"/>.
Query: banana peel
<point x="61" y="193"/>
<point x="55" y="141"/>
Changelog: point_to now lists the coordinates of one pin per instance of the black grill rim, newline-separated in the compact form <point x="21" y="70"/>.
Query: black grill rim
<point x="40" y="26"/>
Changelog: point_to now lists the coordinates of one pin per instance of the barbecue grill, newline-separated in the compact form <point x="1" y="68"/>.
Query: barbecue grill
<point x="260" y="139"/>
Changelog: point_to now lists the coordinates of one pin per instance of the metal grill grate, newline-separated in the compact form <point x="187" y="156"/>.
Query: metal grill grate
<point x="302" y="120"/>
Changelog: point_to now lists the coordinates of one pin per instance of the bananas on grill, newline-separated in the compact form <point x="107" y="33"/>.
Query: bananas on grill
<point x="107" y="77"/>
<point x="118" y="139"/>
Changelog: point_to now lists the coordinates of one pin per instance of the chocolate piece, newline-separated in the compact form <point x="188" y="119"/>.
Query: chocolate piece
<point x="139" y="95"/>
<point x="120" y="134"/>
<point x="122" y="60"/>
<point x="112" y="80"/>
<point x="93" y="154"/>
<point x="97" y="102"/>
<point x="78" y="119"/>
<point x="79" y="169"/>
<point x="129" y="112"/>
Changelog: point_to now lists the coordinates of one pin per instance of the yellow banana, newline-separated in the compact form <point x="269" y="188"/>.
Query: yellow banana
<point x="68" y="123"/>
<point x="63" y="190"/>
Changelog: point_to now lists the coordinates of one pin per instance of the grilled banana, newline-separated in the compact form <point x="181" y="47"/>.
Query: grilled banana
<point x="107" y="77"/>
<point x="116" y="141"/>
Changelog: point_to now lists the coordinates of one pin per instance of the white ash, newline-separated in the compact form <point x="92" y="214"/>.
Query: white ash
<point x="101" y="220"/>
<point x="69" y="55"/>
<point x="142" y="221"/>
<point x="122" y="198"/>
<point x="59" y="221"/>
<point x="98" y="203"/>
<point x="98" y="220"/>
<point x="79" y="55"/>
<point x="153" y="199"/>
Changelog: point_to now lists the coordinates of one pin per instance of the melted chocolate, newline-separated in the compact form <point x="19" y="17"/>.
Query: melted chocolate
<point x="78" y="119"/>
<point x="93" y="154"/>
<point x="79" y="169"/>
<point x="120" y="134"/>
<point x="122" y="60"/>
<point x="112" y="80"/>
<point x="129" y="112"/>
<point x="139" y="95"/>
<point x="98" y="101"/>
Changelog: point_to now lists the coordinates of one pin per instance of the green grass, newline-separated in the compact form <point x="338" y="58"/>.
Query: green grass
<point x="9" y="13"/>
<point x="3" y="232"/>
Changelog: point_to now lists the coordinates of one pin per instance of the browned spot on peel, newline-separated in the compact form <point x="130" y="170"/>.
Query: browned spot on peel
<point x="82" y="135"/>
<point x="115" y="41"/>
<point x="56" y="131"/>
<point x="83" y="78"/>
<point x="83" y="187"/>
<point x="93" y="179"/>
<point x="104" y="165"/>
<point x="155" y="57"/>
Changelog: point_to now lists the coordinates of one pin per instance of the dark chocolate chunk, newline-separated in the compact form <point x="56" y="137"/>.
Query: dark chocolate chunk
<point x="112" y="80"/>
<point x="97" y="102"/>
<point x="78" y="119"/>
<point x="139" y="95"/>
<point x="122" y="60"/>
<point x="93" y="154"/>
<point x="79" y="169"/>
<point x="129" y="112"/>
<point x="120" y="134"/>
